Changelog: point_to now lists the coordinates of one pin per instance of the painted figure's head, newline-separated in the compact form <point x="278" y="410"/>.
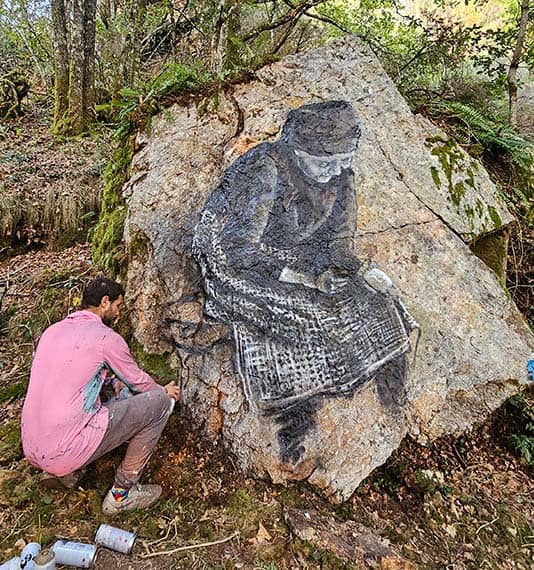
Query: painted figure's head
<point x="324" y="137"/>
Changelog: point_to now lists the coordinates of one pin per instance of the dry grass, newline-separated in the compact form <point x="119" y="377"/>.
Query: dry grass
<point x="49" y="189"/>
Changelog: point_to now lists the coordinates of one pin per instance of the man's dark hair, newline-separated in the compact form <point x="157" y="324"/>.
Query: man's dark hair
<point x="98" y="288"/>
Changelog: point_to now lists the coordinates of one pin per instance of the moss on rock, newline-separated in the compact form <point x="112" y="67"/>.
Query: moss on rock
<point x="163" y="367"/>
<point x="107" y="235"/>
<point x="450" y="157"/>
<point x="492" y="249"/>
<point x="458" y="172"/>
<point x="495" y="218"/>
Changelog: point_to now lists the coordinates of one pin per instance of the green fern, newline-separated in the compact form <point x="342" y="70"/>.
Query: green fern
<point x="524" y="445"/>
<point x="492" y="133"/>
<point x="134" y="106"/>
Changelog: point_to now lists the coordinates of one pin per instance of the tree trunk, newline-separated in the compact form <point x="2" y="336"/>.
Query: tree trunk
<point x="76" y="112"/>
<point x="218" y="40"/>
<point x="74" y="65"/>
<point x="61" y="56"/>
<point x="88" y="78"/>
<point x="226" y="27"/>
<point x="132" y="42"/>
<point x="514" y="64"/>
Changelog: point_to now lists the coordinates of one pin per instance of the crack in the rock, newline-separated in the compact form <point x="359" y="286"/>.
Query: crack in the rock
<point x="430" y="209"/>
<point x="319" y="465"/>
<point x="394" y="228"/>
<point x="240" y="126"/>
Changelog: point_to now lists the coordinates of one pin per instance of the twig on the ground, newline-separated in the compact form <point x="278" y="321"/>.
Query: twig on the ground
<point x="172" y="524"/>
<point x="477" y="465"/>
<point x="12" y="272"/>
<point x="486" y="525"/>
<point x="14" y="528"/>
<point x="25" y="325"/>
<point x="190" y="547"/>
<point x="71" y="280"/>
<point x="459" y="457"/>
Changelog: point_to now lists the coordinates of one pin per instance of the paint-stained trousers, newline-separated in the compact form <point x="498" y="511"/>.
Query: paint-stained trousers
<point x="139" y="420"/>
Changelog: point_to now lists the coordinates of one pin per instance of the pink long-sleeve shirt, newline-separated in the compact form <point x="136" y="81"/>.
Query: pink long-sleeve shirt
<point x="57" y="434"/>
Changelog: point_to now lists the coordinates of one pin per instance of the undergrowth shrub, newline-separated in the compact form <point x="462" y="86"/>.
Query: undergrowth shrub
<point x="522" y="441"/>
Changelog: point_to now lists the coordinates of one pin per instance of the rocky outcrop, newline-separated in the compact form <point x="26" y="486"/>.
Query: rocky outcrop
<point x="420" y="201"/>
<point x="350" y="541"/>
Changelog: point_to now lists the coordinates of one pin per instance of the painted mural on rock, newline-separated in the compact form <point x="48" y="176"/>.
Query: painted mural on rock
<point x="274" y="247"/>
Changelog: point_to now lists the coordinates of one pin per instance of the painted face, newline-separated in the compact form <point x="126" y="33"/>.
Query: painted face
<point x="112" y="311"/>
<point x="323" y="168"/>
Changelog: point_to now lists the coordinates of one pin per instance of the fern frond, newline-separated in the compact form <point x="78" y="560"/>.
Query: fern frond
<point x="474" y="126"/>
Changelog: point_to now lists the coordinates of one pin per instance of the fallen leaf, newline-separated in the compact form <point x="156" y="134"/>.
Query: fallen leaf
<point x="262" y="536"/>
<point x="450" y="529"/>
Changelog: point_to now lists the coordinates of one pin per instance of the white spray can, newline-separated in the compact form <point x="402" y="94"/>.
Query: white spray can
<point x="45" y="560"/>
<point x="74" y="553"/>
<point x="29" y="552"/>
<point x="115" y="538"/>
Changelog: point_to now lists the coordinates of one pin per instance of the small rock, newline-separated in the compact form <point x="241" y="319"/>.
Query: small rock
<point x="347" y="540"/>
<point x="20" y="544"/>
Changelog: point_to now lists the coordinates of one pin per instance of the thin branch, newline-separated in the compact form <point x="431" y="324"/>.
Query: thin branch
<point x="190" y="547"/>
<point x="417" y="54"/>
<point x="328" y="20"/>
<point x="486" y="525"/>
<point x="294" y="12"/>
<point x="181" y="11"/>
<point x="287" y="33"/>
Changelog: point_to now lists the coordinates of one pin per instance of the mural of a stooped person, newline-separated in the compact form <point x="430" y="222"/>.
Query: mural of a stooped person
<point x="274" y="247"/>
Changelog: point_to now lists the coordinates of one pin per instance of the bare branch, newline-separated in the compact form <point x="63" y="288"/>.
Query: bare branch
<point x="328" y="20"/>
<point x="294" y="12"/>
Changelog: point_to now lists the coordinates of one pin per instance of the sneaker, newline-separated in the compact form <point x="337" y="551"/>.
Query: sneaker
<point x="60" y="483"/>
<point x="139" y="497"/>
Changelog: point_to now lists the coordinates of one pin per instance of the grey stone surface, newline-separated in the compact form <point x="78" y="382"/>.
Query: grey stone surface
<point x="416" y="215"/>
<point x="349" y="540"/>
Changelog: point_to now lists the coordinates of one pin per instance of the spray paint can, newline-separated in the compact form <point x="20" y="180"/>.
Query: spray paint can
<point x="29" y="552"/>
<point x="115" y="538"/>
<point x="45" y="560"/>
<point x="13" y="564"/>
<point x="75" y="554"/>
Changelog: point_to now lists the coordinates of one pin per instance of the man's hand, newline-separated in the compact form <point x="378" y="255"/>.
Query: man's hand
<point x="117" y="386"/>
<point x="172" y="390"/>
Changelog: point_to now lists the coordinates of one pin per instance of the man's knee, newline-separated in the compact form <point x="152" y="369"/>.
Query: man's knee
<point x="158" y="404"/>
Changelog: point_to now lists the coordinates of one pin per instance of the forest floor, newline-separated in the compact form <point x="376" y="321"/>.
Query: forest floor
<point x="459" y="503"/>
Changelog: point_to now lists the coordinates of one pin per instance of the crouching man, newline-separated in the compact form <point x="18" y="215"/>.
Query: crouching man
<point x="65" y="424"/>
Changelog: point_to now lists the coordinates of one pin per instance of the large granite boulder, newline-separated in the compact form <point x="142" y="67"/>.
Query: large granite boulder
<point x="386" y="244"/>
